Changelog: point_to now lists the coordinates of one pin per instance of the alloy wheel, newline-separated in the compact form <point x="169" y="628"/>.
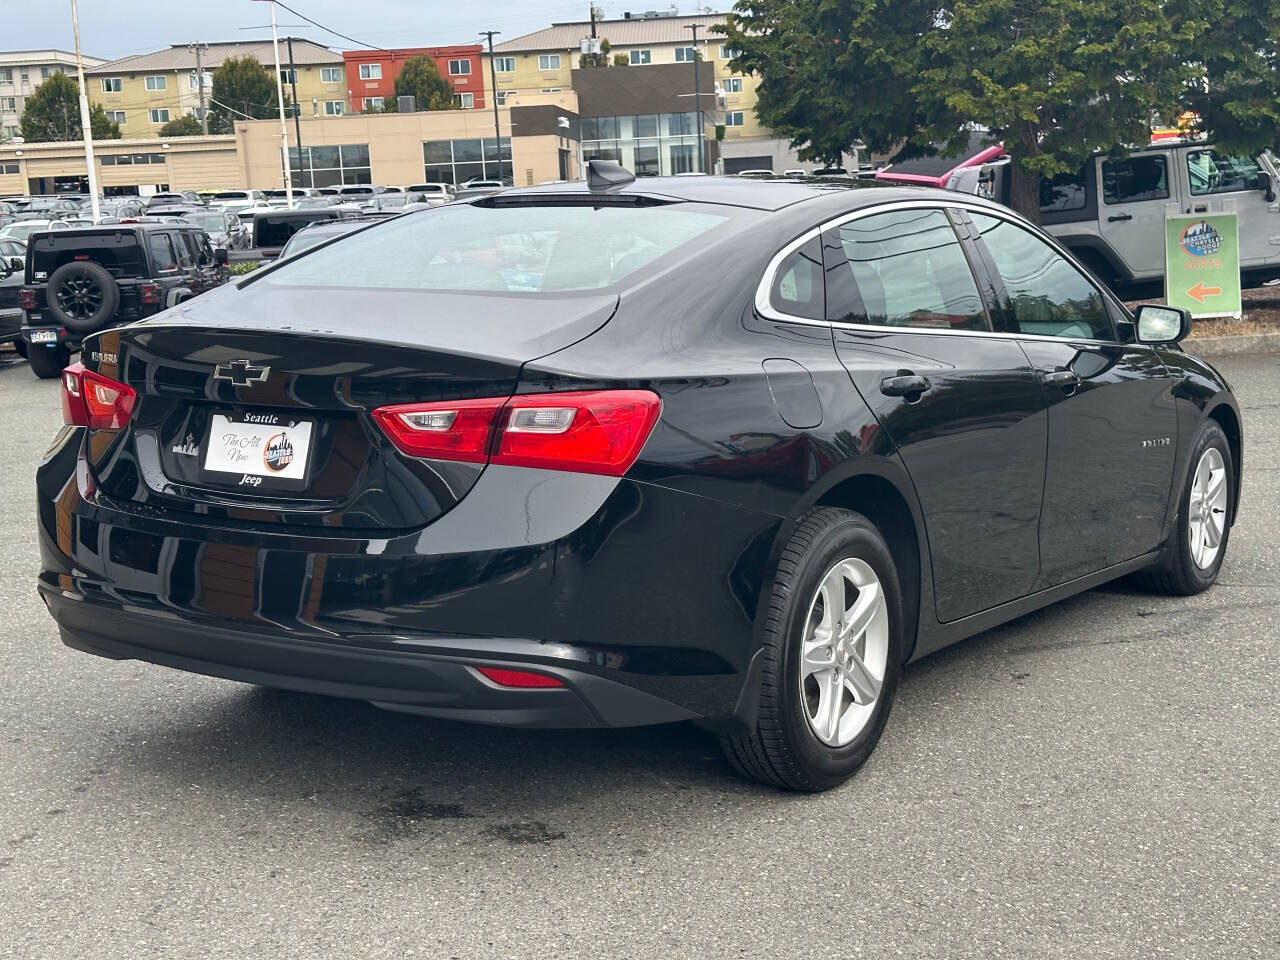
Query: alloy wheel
<point x="1207" y="509"/>
<point x="844" y="652"/>
<point x="80" y="299"/>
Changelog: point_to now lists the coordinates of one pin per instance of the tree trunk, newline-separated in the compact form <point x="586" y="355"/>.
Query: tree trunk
<point x="1024" y="191"/>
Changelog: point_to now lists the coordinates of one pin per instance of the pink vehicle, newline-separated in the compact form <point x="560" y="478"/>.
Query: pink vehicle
<point x="938" y="170"/>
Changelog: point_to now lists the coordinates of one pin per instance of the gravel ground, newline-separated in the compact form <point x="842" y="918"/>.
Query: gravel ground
<point x="1095" y="780"/>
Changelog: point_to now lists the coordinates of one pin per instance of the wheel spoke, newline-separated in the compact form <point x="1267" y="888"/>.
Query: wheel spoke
<point x="1213" y="531"/>
<point x="817" y="658"/>
<point x="1217" y="486"/>
<point x="865" y="607"/>
<point x="830" y="696"/>
<point x="864" y="685"/>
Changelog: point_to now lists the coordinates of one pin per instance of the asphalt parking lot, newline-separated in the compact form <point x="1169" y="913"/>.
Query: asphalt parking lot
<point x="1100" y="779"/>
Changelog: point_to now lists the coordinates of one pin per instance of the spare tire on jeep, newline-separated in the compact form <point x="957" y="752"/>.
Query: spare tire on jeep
<point x="82" y="296"/>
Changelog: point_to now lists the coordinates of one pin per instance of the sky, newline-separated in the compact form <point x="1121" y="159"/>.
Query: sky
<point x="116" y="28"/>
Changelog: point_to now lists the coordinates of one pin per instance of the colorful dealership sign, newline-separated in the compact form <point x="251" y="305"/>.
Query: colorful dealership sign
<point x="1202" y="264"/>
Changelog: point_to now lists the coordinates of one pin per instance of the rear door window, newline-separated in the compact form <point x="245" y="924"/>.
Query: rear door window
<point x="903" y="269"/>
<point x="1049" y="296"/>
<point x="1211" y="172"/>
<point x="797" y="284"/>
<point x="1132" y="179"/>
<point x="162" y="252"/>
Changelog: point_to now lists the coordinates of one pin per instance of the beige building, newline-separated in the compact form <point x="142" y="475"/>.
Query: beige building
<point x="450" y="146"/>
<point x="21" y="71"/>
<point x="142" y="93"/>
<point x="542" y="62"/>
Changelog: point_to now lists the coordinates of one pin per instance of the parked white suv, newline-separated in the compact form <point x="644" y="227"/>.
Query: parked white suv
<point x="433" y="193"/>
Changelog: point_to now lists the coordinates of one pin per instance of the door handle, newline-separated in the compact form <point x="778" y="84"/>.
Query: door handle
<point x="1115" y="217"/>
<point x="904" y="385"/>
<point x="1065" y="379"/>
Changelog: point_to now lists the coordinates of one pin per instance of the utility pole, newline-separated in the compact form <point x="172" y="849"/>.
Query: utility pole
<point x="198" y="49"/>
<point x="284" y="127"/>
<point x="593" y="21"/>
<point x="697" y="99"/>
<point x="297" y="107"/>
<point x="493" y="80"/>
<point x="86" y="124"/>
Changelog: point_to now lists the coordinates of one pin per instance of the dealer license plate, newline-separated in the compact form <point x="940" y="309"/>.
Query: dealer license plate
<point x="243" y="444"/>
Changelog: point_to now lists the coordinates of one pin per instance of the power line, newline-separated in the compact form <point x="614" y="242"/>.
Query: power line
<point x="359" y="43"/>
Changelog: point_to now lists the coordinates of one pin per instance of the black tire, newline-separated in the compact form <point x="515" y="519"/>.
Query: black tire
<point x="783" y="750"/>
<point x="48" y="362"/>
<point x="1178" y="574"/>
<point x="91" y="280"/>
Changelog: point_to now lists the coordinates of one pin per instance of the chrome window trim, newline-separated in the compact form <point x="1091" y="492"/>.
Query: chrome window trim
<point x="765" y="309"/>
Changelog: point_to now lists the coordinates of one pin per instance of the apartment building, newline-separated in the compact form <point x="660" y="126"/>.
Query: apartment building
<point x="371" y="74"/>
<point x="21" y="71"/>
<point x="142" y="93"/>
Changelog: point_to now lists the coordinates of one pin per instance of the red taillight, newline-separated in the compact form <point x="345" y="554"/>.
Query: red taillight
<point x="27" y="298"/>
<point x="150" y="293"/>
<point x="92" y="400"/>
<point x="597" y="431"/>
<point x="523" y="679"/>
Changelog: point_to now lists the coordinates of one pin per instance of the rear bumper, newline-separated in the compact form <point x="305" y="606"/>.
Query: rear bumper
<point x="393" y="678"/>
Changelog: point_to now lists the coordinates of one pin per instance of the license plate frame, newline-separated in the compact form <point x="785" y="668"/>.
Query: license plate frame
<point x="255" y="431"/>
<point x="43" y="336"/>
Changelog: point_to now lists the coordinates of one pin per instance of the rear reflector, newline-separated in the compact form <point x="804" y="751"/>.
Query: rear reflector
<point x="596" y="431"/>
<point x="92" y="400"/>
<point x="523" y="679"/>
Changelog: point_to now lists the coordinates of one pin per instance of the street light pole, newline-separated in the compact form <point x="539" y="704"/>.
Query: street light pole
<point x="697" y="99"/>
<point x="284" y="127"/>
<point x="493" y="81"/>
<point x="297" y="109"/>
<point x="86" y="123"/>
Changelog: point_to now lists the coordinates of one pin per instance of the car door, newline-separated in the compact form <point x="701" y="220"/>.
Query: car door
<point x="1222" y="183"/>
<point x="1111" y="417"/>
<point x="1135" y="191"/>
<point x="960" y="401"/>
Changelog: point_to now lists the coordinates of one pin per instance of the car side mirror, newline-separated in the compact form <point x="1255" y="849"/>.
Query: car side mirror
<point x="1264" y="184"/>
<point x="220" y="256"/>
<point x="1157" y="323"/>
<point x="16" y="264"/>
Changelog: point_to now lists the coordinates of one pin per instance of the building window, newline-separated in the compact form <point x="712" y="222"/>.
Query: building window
<point x="728" y="53"/>
<point x="115" y="116"/>
<point x="9" y="103"/>
<point x="330" y="74"/>
<point x="288" y="76"/>
<point x="459" y="68"/>
<point x="156" y="82"/>
<point x="551" y="90"/>
<point x="371" y="103"/>
<point x="6" y="75"/>
<point x="11" y="167"/>
<point x="548" y="61"/>
<point x="159" y="116"/>
<point x="331" y="166"/>
<point x="504" y="64"/>
<point x="501" y="97"/>
<point x="731" y="85"/>
<point x="649" y="144"/>
<point x="457" y="161"/>
<point x="47" y="72"/>
<point x="686" y="54"/>
<point x="335" y="108"/>
<point x="197" y="112"/>
<point x="112" y="85"/>
<point x="639" y="57"/>
<point x="370" y="71"/>
<point x="733" y="118"/>
<point x="467" y="101"/>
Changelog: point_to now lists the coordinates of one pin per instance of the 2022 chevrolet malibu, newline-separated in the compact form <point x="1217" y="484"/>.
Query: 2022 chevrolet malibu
<point x="617" y="453"/>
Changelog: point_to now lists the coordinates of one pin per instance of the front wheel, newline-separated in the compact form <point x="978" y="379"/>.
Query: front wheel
<point x="1199" y="541"/>
<point x="48" y="362"/>
<point x="832" y="654"/>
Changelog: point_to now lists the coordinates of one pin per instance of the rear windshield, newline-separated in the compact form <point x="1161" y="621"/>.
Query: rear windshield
<point x="119" y="252"/>
<point x="231" y="195"/>
<point x="510" y="249"/>
<point x="276" y="231"/>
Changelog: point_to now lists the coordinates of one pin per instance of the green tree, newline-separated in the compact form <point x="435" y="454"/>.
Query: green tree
<point x="601" y="59"/>
<point x="242" y="87"/>
<point x="53" y="113"/>
<point x="183" y="126"/>
<point x="420" y="79"/>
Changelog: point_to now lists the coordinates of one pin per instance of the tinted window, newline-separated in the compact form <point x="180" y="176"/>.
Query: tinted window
<point x="908" y="270"/>
<point x="1134" y="179"/>
<point x="162" y="251"/>
<point x="1050" y="297"/>
<point x="1062" y="191"/>
<point x="276" y="231"/>
<point x="508" y="249"/>
<point x="1211" y="172"/>
<point x="119" y="253"/>
<point x="797" y="286"/>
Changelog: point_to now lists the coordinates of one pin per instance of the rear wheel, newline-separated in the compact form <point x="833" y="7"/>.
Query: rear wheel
<point x="82" y="296"/>
<point x="831" y="659"/>
<point x="21" y="347"/>
<point x="1199" y="542"/>
<point x="48" y="362"/>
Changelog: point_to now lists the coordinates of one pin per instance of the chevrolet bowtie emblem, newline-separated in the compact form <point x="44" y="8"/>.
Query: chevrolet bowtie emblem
<point x="240" y="372"/>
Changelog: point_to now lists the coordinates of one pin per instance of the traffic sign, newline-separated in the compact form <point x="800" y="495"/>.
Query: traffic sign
<point x="1202" y="264"/>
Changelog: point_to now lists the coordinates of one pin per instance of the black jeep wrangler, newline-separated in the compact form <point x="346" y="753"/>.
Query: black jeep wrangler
<point x="83" y="280"/>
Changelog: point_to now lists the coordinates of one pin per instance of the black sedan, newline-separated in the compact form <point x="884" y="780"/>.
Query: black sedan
<point x="617" y="453"/>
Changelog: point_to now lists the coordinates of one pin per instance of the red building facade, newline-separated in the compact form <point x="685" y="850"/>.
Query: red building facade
<point x="372" y="73"/>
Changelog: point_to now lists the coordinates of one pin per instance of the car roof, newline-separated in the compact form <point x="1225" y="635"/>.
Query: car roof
<point x="758" y="194"/>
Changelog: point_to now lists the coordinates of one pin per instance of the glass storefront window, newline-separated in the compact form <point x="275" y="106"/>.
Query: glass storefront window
<point x="467" y="151"/>
<point x="647" y="125"/>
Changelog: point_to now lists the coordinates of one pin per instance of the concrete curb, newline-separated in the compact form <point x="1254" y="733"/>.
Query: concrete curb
<point x="1233" y="346"/>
